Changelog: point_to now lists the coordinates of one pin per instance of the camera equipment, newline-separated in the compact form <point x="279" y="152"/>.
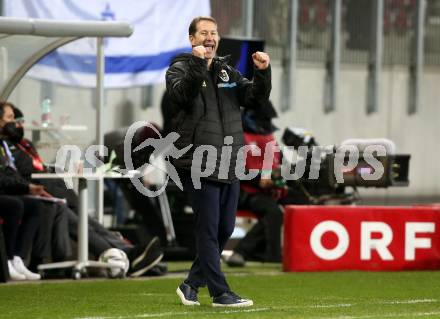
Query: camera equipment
<point x="395" y="167"/>
<point x="324" y="166"/>
<point x="297" y="137"/>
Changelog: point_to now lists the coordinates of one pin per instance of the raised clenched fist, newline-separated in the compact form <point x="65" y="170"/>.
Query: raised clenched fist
<point x="199" y="51"/>
<point x="261" y="60"/>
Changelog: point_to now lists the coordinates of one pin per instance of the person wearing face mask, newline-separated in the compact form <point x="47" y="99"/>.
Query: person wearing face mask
<point x="14" y="132"/>
<point x="144" y="258"/>
<point x="51" y="239"/>
<point x="11" y="178"/>
<point x="208" y="93"/>
<point x="15" y="186"/>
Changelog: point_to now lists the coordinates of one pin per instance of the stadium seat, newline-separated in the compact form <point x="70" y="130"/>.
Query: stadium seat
<point x="321" y="17"/>
<point x="402" y="21"/>
<point x="387" y="23"/>
<point x="246" y="214"/>
<point x="304" y="17"/>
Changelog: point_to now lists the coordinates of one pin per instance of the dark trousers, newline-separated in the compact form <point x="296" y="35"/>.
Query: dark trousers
<point x="53" y="234"/>
<point x="263" y="241"/>
<point x="11" y="211"/>
<point x="57" y="188"/>
<point x="31" y="221"/>
<point x="214" y="207"/>
<point x="100" y="238"/>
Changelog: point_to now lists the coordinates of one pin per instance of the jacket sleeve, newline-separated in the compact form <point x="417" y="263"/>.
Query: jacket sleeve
<point x="184" y="79"/>
<point x="252" y="93"/>
<point x="11" y="183"/>
<point x="23" y="162"/>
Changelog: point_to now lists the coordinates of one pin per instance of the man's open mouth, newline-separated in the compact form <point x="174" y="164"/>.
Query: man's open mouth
<point x="209" y="47"/>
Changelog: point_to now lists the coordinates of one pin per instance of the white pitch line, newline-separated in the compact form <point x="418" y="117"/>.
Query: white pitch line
<point x="385" y="302"/>
<point x="386" y="315"/>
<point x="169" y="314"/>
<point x="410" y="301"/>
<point x="155" y="294"/>
<point x="342" y="305"/>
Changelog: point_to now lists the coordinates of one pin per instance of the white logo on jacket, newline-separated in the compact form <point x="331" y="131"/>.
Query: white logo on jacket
<point x="224" y="76"/>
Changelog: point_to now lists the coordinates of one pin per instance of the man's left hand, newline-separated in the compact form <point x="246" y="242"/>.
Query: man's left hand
<point x="261" y="60"/>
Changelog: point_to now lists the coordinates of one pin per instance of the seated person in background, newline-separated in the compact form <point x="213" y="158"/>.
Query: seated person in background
<point x="52" y="234"/>
<point x="142" y="257"/>
<point x="11" y="183"/>
<point x="147" y="208"/>
<point x="263" y="241"/>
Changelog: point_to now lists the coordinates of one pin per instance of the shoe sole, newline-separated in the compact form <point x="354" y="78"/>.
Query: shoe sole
<point x="33" y="278"/>
<point x="142" y="256"/>
<point x="16" y="278"/>
<point x="147" y="268"/>
<point x="248" y="303"/>
<point x="184" y="301"/>
<point x="30" y="276"/>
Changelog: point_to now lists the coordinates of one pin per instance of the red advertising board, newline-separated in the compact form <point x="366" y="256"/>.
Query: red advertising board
<point x="325" y="238"/>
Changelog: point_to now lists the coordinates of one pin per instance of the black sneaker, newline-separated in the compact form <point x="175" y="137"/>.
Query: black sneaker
<point x="160" y="269"/>
<point x="144" y="258"/>
<point x="236" y="260"/>
<point x="154" y="272"/>
<point x="230" y="299"/>
<point x="188" y="295"/>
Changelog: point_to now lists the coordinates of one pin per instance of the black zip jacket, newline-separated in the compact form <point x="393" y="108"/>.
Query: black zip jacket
<point x="11" y="182"/>
<point x="207" y="105"/>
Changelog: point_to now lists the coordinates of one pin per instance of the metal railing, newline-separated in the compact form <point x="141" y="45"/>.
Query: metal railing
<point x="373" y="33"/>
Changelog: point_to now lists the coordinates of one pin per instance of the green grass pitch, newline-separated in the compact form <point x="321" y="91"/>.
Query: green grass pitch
<point x="343" y="295"/>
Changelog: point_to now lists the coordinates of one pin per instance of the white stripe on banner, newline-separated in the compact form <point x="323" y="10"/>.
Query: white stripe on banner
<point x="160" y="32"/>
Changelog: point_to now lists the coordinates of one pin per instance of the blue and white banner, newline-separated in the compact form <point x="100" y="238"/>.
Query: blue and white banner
<point x="160" y="32"/>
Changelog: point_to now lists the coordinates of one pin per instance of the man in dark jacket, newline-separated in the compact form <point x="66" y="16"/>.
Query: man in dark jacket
<point x="209" y="93"/>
